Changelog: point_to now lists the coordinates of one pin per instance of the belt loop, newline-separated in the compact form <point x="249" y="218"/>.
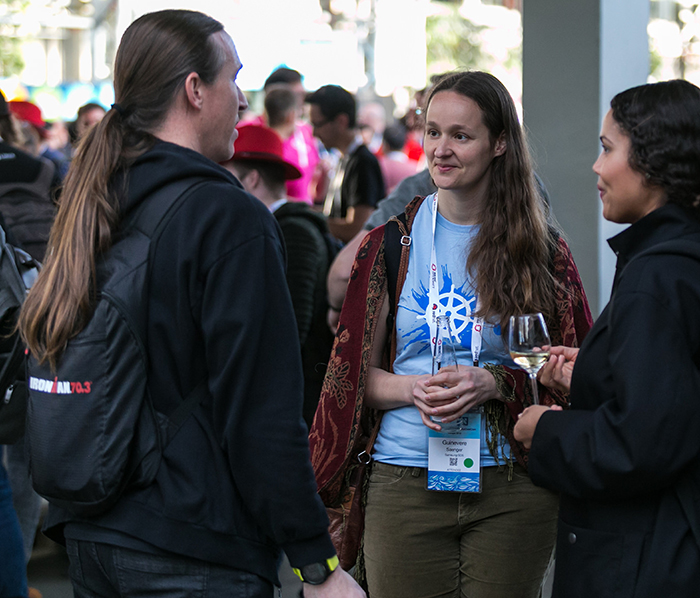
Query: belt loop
<point x="416" y="472"/>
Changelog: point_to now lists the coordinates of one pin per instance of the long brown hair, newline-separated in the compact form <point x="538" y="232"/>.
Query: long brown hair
<point x="509" y="258"/>
<point x="156" y="54"/>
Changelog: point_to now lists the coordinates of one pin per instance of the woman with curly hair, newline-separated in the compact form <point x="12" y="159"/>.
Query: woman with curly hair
<point x="626" y="456"/>
<point x="486" y="236"/>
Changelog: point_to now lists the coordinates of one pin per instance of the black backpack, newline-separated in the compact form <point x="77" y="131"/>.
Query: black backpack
<point x="92" y="429"/>
<point x="29" y="210"/>
<point x="18" y="270"/>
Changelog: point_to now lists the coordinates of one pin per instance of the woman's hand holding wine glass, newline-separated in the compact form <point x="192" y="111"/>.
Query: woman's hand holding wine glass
<point x="556" y="373"/>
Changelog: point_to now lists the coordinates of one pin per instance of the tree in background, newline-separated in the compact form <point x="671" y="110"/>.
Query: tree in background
<point x="11" y="62"/>
<point x="453" y="41"/>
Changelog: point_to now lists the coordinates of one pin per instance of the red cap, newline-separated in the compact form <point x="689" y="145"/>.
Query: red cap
<point x="30" y="113"/>
<point x="256" y="142"/>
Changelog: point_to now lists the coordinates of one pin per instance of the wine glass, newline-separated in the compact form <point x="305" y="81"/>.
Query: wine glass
<point x="529" y="345"/>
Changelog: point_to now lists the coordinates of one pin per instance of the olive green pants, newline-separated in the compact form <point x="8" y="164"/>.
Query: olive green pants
<point x="425" y="544"/>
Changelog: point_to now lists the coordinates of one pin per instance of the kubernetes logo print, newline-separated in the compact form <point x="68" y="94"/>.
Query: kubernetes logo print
<point x="456" y="302"/>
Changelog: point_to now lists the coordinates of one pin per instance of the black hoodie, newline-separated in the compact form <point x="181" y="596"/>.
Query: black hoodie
<point x="235" y="483"/>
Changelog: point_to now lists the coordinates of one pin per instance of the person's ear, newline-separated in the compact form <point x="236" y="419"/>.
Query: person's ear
<point x="343" y="120"/>
<point x="501" y="146"/>
<point x="194" y="89"/>
<point x="252" y="179"/>
<point x="292" y="116"/>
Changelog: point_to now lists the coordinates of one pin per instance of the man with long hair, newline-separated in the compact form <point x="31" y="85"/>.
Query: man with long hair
<point x="234" y="485"/>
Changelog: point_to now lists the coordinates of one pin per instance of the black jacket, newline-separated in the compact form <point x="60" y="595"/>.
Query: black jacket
<point x="235" y="484"/>
<point x="631" y="440"/>
<point x="306" y="238"/>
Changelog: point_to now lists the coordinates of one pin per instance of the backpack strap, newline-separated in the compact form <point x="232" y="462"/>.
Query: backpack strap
<point x="150" y="215"/>
<point x="183" y="410"/>
<point x="149" y="218"/>
<point x="19" y="272"/>
<point x="12" y="365"/>
<point x="7" y="233"/>
<point x="394" y="243"/>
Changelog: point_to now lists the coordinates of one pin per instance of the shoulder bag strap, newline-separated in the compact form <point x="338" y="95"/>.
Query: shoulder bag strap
<point x="149" y="216"/>
<point x="394" y="243"/>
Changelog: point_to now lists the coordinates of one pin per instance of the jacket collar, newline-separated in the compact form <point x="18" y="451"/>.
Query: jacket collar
<point x="663" y="224"/>
<point x="667" y="222"/>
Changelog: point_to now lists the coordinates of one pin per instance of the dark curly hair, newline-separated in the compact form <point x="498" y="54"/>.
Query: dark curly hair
<point x="662" y="121"/>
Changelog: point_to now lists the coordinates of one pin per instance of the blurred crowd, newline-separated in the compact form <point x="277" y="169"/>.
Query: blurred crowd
<point x="429" y="380"/>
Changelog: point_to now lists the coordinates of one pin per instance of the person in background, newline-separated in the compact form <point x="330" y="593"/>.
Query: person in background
<point x="30" y="114"/>
<point x="414" y="121"/>
<point x="13" y="572"/>
<point x="36" y="137"/>
<point x="284" y="77"/>
<point x="282" y="111"/>
<point x="27" y="186"/>
<point x="420" y="184"/>
<point x="371" y="122"/>
<point x="357" y="184"/>
<point x="260" y="165"/>
<point x="626" y="456"/>
<point x="88" y="116"/>
<point x="396" y="166"/>
<point x="300" y="147"/>
<point x="419" y="543"/>
<point x="58" y="144"/>
<point x="234" y="486"/>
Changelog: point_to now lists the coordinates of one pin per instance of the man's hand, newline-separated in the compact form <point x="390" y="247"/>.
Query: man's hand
<point x="340" y="584"/>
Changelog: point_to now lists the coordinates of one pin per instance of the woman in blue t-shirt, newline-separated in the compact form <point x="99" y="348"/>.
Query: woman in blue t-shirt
<point x="481" y="250"/>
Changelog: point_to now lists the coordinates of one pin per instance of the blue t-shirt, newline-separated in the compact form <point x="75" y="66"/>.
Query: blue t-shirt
<point x="403" y="438"/>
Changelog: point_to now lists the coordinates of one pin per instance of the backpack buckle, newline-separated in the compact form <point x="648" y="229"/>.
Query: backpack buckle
<point x="405" y="240"/>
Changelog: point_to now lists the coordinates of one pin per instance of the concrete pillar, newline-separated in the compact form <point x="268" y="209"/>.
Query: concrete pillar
<point x="576" y="56"/>
<point x="71" y="55"/>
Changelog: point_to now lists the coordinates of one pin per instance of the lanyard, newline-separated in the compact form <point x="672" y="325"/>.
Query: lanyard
<point x="434" y="297"/>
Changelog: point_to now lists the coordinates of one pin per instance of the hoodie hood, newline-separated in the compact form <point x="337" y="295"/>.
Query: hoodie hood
<point x="167" y="163"/>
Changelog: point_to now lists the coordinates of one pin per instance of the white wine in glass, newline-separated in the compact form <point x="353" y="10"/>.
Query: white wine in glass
<point x="529" y="345"/>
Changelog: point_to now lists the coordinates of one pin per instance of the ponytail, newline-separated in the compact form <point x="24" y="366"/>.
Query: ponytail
<point x="156" y="54"/>
<point x="61" y="300"/>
